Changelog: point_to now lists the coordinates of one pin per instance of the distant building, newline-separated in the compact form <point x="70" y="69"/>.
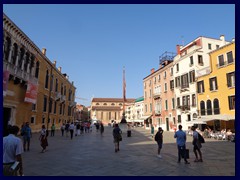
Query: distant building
<point x="108" y="109"/>
<point x="81" y="113"/>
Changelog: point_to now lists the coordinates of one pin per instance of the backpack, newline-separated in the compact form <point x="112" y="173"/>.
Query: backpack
<point x="200" y="138"/>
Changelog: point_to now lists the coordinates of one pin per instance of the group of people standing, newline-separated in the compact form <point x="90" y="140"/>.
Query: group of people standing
<point x="181" y="138"/>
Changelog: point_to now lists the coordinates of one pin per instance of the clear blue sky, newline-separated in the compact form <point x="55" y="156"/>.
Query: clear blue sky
<point x="92" y="43"/>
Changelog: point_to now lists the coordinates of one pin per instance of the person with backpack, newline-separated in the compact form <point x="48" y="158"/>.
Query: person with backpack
<point x="159" y="139"/>
<point x="197" y="145"/>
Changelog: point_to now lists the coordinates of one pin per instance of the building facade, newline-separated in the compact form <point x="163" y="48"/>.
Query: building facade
<point x="159" y="100"/>
<point x="108" y="109"/>
<point x="34" y="90"/>
<point x="216" y="89"/>
<point x="190" y="59"/>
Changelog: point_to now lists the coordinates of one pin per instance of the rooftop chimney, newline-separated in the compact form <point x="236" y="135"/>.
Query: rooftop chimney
<point x="233" y="39"/>
<point x="60" y="69"/>
<point x="54" y="63"/>
<point x="152" y="70"/>
<point x="44" y="50"/>
<point x="178" y="49"/>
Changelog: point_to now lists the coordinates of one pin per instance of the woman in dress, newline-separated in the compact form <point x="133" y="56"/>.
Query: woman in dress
<point x="43" y="138"/>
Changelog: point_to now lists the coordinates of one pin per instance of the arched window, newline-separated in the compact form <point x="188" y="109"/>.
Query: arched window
<point x="202" y="108"/>
<point x="97" y="103"/>
<point x="216" y="106"/>
<point x="209" y="107"/>
<point x="37" y="70"/>
<point x="105" y="104"/>
<point x="46" y="80"/>
<point x="112" y="104"/>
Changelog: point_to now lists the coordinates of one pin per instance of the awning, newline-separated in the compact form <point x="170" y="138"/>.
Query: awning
<point x="197" y="121"/>
<point x="145" y="117"/>
<point x="135" y="120"/>
<point x="223" y="117"/>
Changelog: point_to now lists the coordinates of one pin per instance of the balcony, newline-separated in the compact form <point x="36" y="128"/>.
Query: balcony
<point x="19" y="73"/>
<point x="72" y="104"/>
<point x="62" y="99"/>
<point x="202" y="72"/>
<point x="157" y="95"/>
<point x="57" y="96"/>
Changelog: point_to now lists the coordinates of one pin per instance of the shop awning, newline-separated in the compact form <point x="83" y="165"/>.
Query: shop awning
<point x="223" y="117"/>
<point x="197" y="121"/>
<point x="145" y="117"/>
<point x="135" y="120"/>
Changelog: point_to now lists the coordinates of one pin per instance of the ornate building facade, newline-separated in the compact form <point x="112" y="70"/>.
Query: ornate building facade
<point x="34" y="90"/>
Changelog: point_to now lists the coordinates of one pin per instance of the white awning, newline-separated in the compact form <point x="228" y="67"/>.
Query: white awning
<point x="135" y="120"/>
<point x="197" y="121"/>
<point x="224" y="117"/>
<point x="145" y="117"/>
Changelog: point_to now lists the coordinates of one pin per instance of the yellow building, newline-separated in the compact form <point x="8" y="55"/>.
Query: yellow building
<point x="216" y="89"/>
<point x="34" y="90"/>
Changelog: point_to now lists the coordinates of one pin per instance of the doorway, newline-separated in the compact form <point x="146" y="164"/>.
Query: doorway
<point x="167" y="124"/>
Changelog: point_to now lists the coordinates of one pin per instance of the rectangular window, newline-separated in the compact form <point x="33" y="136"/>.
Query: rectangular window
<point x="213" y="84"/>
<point x="55" y="107"/>
<point x="184" y="81"/>
<point x="60" y="109"/>
<point x="220" y="61"/>
<point x="173" y="103"/>
<point x="166" y="105"/>
<point x="209" y="46"/>
<point x="191" y="60"/>
<point x="179" y="119"/>
<point x="200" y="87"/>
<point x="192" y="76"/>
<point x="165" y="87"/>
<point x="50" y="105"/>
<point x="200" y="60"/>
<point x="177" y="66"/>
<point x="177" y="81"/>
<point x="45" y="104"/>
<point x="145" y="107"/>
<point x="229" y="57"/>
<point x="171" y="72"/>
<point x="172" y="84"/>
<point x="165" y="74"/>
<point x="159" y="78"/>
<point x="217" y="46"/>
<point x="150" y="107"/>
<point x="32" y="121"/>
<point x="231" y="102"/>
<point x="231" y="79"/>
<point x="33" y="107"/>
<point x="155" y="80"/>
<point x="178" y="102"/>
<point x="193" y="100"/>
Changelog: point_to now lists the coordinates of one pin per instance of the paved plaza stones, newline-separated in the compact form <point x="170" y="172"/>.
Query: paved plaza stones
<point x="93" y="155"/>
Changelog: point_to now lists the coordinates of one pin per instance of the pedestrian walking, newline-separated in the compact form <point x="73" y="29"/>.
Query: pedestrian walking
<point x="67" y="128"/>
<point x="78" y="126"/>
<point x="26" y="132"/>
<point x="101" y="128"/>
<point x="159" y="139"/>
<point x="181" y="138"/>
<point x="71" y="128"/>
<point x="12" y="150"/>
<point x="63" y="129"/>
<point x="43" y="138"/>
<point x="53" y="129"/>
<point x="117" y="137"/>
<point x="196" y="145"/>
<point x="97" y="126"/>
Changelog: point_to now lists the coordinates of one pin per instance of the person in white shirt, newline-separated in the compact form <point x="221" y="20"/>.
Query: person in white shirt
<point x="12" y="150"/>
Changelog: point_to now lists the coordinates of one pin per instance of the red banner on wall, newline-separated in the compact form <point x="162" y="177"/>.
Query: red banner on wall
<point x="5" y="81"/>
<point x="31" y="93"/>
